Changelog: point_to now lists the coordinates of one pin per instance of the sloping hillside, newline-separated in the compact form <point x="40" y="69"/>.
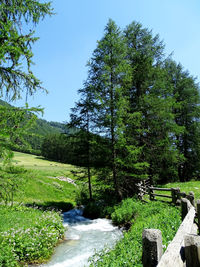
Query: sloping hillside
<point x="35" y="135"/>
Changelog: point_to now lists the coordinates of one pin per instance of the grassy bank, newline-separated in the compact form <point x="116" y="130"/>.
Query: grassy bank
<point x="187" y="187"/>
<point x="28" y="234"/>
<point x="156" y="215"/>
<point x="128" y="251"/>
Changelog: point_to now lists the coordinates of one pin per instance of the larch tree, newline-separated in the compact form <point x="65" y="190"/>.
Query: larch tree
<point x="109" y="75"/>
<point x="187" y="116"/>
<point x="149" y="95"/>
<point x="18" y="19"/>
<point x="83" y="118"/>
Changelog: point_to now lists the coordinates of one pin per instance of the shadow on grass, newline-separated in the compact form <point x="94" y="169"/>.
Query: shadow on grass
<point x="52" y="205"/>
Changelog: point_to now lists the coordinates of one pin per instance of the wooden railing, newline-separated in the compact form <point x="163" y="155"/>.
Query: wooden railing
<point x="145" y="188"/>
<point x="184" y="249"/>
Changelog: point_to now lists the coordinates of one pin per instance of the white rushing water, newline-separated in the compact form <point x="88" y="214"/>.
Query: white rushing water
<point x="83" y="238"/>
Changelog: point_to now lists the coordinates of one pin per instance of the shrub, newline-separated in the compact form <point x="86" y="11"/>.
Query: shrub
<point x="34" y="243"/>
<point x="125" y="211"/>
<point x="7" y="257"/>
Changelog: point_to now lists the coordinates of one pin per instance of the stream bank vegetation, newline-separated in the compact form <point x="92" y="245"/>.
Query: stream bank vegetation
<point x="31" y="201"/>
<point x="28" y="235"/>
<point x="128" y="251"/>
<point x="138" y="117"/>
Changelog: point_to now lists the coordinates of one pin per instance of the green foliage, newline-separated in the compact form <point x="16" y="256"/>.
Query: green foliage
<point x="125" y="211"/>
<point x="128" y="251"/>
<point x="37" y="184"/>
<point x="16" y="45"/>
<point x="29" y="130"/>
<point x="14" y="124"/>
<point x="16" y="75"/>
<point x="186" y="115"/>
<point x="30" y="236"/>
<point x="145" y="106"/>
<point x="7" y="256"/>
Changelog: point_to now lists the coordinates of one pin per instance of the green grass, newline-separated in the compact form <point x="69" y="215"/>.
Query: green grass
<point x="45" y="167"/>
<point x="37" y="182"/>
<point x="187" y="187"/>
<point x="128" y="251"/>
<point x="13" y="218"/>
<point x="28" y="235"/>
<point x="23" y="230"/>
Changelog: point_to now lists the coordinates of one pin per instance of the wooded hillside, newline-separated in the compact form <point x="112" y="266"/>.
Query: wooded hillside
<point x="34" y="136"/>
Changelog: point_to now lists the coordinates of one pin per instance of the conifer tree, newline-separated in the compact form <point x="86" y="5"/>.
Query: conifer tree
<point x="108" y="74"/>
<point x="187" y="113"/>
<point x="17" y="21"/>
<point x="150" y="96"/>
<point x="82" y="117"/>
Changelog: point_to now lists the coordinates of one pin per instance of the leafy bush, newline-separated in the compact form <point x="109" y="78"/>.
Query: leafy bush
<point x="124" y="212"/>
<point x="7" y="257"/>
<point x="30" y="244"/>
<point x="82" y="195"/>
<point x="128" y="251"/>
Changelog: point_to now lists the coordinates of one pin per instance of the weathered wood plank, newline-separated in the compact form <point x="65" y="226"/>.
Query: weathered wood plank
<point x="160" y="189"/>
<point x="192" y="248"/>
<point x="198" y="213"/>
<point x="152" y="247"/>
<point x="158" y="195"/>
<point x="174" y="255"/>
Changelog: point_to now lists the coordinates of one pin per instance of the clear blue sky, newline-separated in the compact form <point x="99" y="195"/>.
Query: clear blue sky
<point x="68" y="39"/>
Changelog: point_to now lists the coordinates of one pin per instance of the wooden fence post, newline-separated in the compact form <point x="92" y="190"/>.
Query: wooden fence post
<point x="152" y="247"/>
<point x="198" y="214"/>
<point x="185" y="206"/>
<point x="192" y="250"/>
<point x="191" y="198"/>
<point x="150" y="191"/>
<point x="175" y="195"/>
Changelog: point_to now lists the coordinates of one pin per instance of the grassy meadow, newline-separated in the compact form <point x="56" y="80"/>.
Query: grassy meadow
<point x="39" y="183"/>
<point x="29" y="226"/>
<point x="46" y="167"/>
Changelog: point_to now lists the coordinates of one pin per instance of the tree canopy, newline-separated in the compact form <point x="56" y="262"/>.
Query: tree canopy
<point x="18" y="19"/>
<point x="146" y="107"/>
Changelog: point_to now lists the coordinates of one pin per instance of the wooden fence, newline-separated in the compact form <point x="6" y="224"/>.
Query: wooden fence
<point x="173" y="194"/>
<point x="184" y="249"/>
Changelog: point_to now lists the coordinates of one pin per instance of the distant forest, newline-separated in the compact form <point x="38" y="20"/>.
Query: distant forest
<point x="32" y="138"/>
<point x="138" y="115"/>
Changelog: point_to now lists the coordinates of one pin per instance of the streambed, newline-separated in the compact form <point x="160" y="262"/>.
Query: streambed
<point x="82" y="238"/>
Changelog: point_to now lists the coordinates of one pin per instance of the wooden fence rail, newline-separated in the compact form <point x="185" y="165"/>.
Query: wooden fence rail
<point x="145" y="188"/>
<point x="184" y="250"/>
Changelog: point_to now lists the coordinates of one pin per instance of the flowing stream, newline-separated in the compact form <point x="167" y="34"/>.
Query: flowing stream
<point x="82" y="238"/>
